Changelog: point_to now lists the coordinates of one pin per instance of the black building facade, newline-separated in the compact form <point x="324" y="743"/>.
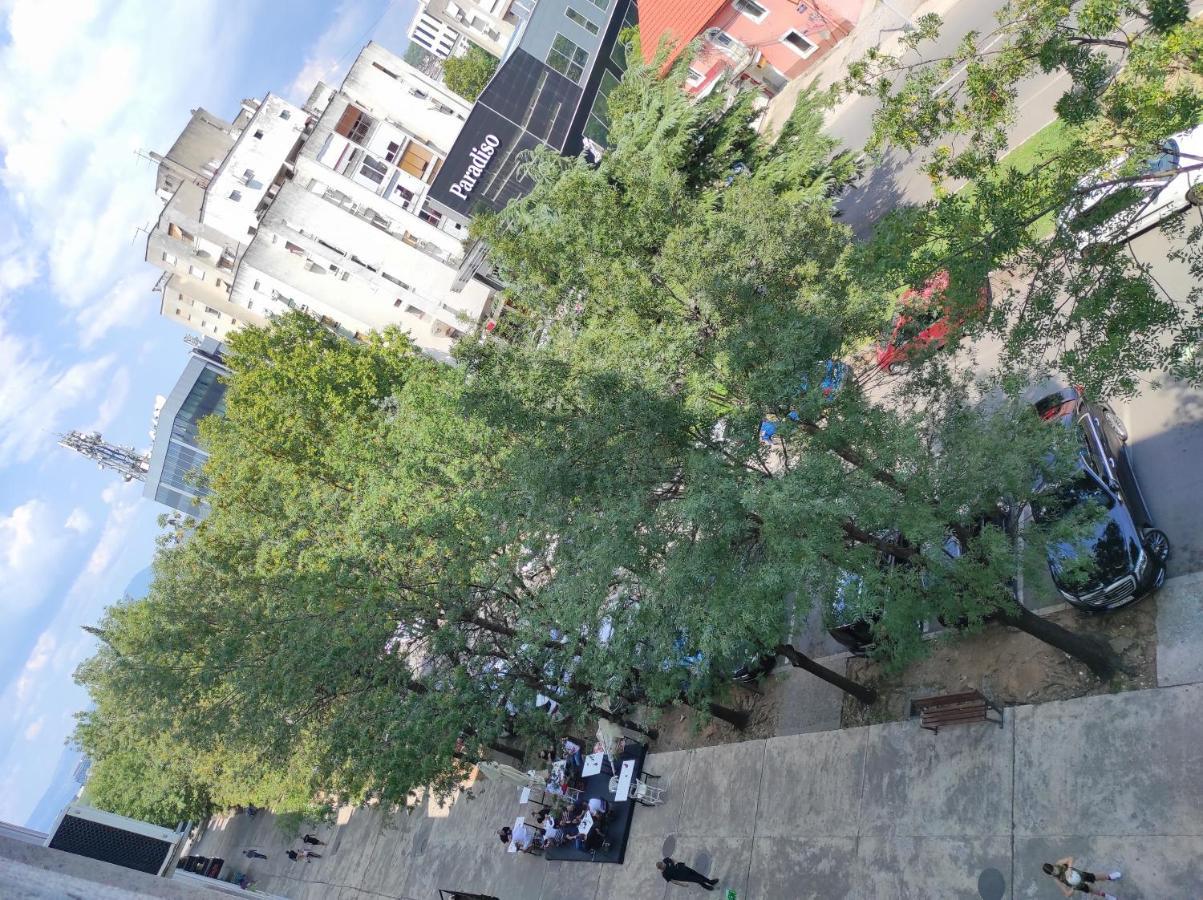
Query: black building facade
<point x="550" y="89"/>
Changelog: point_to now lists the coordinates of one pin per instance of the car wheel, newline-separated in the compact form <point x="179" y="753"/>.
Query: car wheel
<point x="1113" y="421"/>
<point x="1194" y="195"/>
<point x="1157" y="543"/>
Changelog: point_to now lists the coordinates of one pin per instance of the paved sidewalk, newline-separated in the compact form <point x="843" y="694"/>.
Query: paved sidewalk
<point x="888" y="811"/>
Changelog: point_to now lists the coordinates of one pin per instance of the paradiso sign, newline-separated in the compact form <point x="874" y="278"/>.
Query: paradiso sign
<point x="480" y="156"/>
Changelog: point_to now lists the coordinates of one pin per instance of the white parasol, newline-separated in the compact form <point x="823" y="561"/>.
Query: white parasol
<point x="504" y="772"/>
<point x="611" y="738"/>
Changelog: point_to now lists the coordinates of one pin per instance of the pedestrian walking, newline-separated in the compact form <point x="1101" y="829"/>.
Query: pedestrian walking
<point x="678" y="871"/>
<point x="309" y="854"/>
<point x="310" y="839"/>
<point x="293" y="855"/>
<point x="1072" y="879"/>
<point x="254" y="854"/>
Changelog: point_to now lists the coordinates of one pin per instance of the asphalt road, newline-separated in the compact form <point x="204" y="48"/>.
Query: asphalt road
<point x="1165" y="421"/>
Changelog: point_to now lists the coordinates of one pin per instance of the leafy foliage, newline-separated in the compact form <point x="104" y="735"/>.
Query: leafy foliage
<point x="467" y="75"/>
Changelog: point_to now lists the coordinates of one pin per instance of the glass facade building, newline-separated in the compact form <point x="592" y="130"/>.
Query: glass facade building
<point x="174" y="477"/>
<point x="549" y="90"/>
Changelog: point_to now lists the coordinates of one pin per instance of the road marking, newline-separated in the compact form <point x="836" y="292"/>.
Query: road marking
<point x="957" y="74"/>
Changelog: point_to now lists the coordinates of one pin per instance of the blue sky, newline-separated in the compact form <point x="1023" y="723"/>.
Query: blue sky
<point x="87" y="84"/>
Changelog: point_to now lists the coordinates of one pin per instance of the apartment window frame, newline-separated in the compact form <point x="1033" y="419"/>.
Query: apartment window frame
<point x="578" y="18"/>
<point x="746" y="8"/>
<point x="603" y="5"/>
<point x="373" y="169"/>
<point x="574" y="58"/>
<point x="804" y="53"/>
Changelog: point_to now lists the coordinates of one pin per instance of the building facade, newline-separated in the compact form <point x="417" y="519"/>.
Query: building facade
<point x="321" y="208"/>
<point x="550" y="89"/>
<point x="173" y="476"/>
<point x="446" y="27"/>
<point x="766" y="43"/>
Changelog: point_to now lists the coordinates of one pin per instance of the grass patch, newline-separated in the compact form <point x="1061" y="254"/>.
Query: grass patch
<point x="1040" y="147"/>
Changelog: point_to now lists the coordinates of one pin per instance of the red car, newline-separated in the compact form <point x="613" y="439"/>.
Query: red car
<point x="924" y="323"/>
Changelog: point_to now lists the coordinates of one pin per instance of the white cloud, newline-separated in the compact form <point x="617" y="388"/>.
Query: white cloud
<point x="36" y="392"/>
<point x="78" y="521"/>
<point x="42" y="652"/>
<point x="111" y="542"/>
<point x="31" y="542"/>
<point x="34" y="728"/>
<point x="355" y="22"/>
<point x="115" y="394"/>
<point x="88" y="83"/>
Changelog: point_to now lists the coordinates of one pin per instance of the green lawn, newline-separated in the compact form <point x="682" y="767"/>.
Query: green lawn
<point x="1041" y="146"/>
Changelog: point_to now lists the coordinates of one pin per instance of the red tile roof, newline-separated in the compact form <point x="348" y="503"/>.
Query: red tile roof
<point x="678" y="20"/>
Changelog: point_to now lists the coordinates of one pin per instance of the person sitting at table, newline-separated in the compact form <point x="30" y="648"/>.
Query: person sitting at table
<point x="552" y="836"/>
<point x="506" y="835"/>
<point x="591" y="841"/>
<point x="597" y="806"/>
<point x="573" y="751"/>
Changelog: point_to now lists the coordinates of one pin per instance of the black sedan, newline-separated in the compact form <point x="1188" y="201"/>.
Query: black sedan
<point x="1121" y="557"/>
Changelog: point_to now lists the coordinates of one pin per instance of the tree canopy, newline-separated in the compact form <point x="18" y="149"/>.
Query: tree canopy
<point x="402" y="557"/>
<point x="467" y="75"/>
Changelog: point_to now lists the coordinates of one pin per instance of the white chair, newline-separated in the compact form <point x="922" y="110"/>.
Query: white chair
<point x="642" y="792"/>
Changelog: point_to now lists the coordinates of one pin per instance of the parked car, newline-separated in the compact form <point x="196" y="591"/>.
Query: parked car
<point x="848" y="615"/>
<point x="1005" y="519"/>
<point x="1125" y="555"/>
<point x="1116" y="212"/>
<point x="925" y="323"/>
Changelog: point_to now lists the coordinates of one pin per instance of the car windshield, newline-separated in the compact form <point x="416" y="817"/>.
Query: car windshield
<point x="1127" y="199"/>
<point x="1085" y="488"/>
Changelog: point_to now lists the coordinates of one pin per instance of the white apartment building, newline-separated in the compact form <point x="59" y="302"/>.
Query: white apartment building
<point x="322" y="209"/>
<point x="444" y="27"/>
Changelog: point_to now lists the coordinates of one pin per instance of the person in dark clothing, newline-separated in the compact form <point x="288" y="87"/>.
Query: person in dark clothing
<point x="254" y="854"/>
<point x="310" y="839"/>
<point x="293" y="855"/>
<point x="506" y="835"/>
<point x="678" y="871"/>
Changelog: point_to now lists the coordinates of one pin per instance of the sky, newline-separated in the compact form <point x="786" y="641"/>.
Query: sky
<point x="88" y="86"/>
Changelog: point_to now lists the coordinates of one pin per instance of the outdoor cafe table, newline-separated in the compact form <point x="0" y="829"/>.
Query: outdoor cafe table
<point x="624" y="781"/>
<point x="593" y="764"/>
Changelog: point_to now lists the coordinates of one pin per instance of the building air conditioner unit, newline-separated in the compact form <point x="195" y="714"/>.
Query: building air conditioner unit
<point x="89" y="832"/>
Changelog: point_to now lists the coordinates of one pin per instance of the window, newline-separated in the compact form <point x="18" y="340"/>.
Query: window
<point x="294" y="248"/>
<point x="751" y="9"/>
<point x="694" y="77"/>
<point x="429" y="215"/>
<point x="567" y="58"/>
<point x="354" y="124"/>
<point x="285" y="114"/>
<point x="396" y="303"/>
<point x="248" y="175"/>
<point x="198" y="274"/>
<point x="169" y="259"/>
<point x="255" y="286"/>
<point x="258" y="134"/>
<point x="390" y="155"/>
<point x="211" y="311"/>
<point x="373" y="170"/>
<point x="799" y="43"/>
<point x="403" y="194"/>
<point x="235" y="196"/>
<point x="175" y="231"/>
<point x="600" y="4"/>
<point x="387" y="72"/>
<point x="581" y="20"/>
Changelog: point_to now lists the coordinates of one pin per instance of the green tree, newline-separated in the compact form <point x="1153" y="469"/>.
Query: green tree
<point x="467" y="75"/>
<point x="1133" y="70"/>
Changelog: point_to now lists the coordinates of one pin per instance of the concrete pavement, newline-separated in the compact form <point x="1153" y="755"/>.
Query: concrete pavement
<point x="887" y="811"/>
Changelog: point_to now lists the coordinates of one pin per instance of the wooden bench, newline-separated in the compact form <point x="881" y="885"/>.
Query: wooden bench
<point x="963" y="708"/>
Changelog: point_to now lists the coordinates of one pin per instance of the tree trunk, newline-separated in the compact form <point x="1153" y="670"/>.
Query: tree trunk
<point x="734" y="717"/>
<point x="1094" y="653"/>
<point x="864" y="694"/>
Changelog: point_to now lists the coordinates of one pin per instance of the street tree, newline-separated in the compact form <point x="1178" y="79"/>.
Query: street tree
<point x="1131" y="72"/>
